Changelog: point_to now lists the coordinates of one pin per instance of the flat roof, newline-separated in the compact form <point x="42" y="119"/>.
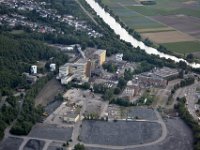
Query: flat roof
<point x="72" y="115"/>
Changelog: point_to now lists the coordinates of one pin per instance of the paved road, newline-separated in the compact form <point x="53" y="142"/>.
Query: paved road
<point x="163" y="136"/>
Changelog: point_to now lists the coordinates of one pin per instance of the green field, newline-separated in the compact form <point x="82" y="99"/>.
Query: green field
<point x="131" y="17"/>
<point x="138" y="17"/>
<point x="183" y="47"/>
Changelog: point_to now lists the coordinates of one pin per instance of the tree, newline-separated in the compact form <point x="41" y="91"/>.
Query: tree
<point x="117" y="90"/>
<point x="182" y="65"/>
<point x="190" y="56"/>
<point x="128" y="75"/>
<point x="79" y="147"/>
<point x="121" y="83"/>
<point x="108" y="95"/>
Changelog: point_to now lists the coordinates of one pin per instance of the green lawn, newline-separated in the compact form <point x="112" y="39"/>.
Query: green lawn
<point x="183" y="47"/>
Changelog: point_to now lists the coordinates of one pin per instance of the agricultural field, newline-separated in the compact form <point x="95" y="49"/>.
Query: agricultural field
<point x="174" y="24"/>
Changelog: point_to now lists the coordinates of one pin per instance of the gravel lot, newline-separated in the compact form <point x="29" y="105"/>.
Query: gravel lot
<point x="52" y="132"/>
<point x="11" y="143"/>
<point x="142" y="113"/>
<point x="52" y="106"/>
<point x="119" y="133"/>
<point x="178" y="138"/>
<point x="34" y="145"/>
<point x="55" y="146"/>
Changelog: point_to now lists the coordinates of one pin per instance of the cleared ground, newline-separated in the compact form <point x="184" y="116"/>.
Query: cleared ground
<point x="120" y="133"/>
<point x="47" y="94"/>
<point x="179" y="138"/>
<point x="52" y="132"/>
<point x="186" y="24"/>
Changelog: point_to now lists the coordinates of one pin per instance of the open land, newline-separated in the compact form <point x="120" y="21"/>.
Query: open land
<point x="47" y="94"/>
<point x="99" y="132"/>
<point x="179" y="137"/>
<point x="167" y="22"/>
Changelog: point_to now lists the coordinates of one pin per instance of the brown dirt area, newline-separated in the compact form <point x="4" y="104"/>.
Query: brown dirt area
<point x="168" y="37"/>
<point x="49" y="91"/>
<point x="155" y="29"/>
<point x="187" y="24"/>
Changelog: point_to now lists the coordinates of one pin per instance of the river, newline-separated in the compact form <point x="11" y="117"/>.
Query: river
<point x="124" y="35"/>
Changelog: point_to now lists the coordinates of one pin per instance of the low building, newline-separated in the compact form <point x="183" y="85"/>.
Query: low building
<point x="34" y="69"/>
<point x="119" y="57"/>
<point x="130" y="91"/>
<point x="52" y="67"/>
<point x="150" y="80"/>
<point x="71" y="117"/>
<point x="166" y="73"/>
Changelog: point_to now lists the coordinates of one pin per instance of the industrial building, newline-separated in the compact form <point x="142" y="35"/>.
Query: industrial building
<point x="71" y="117"/>
<point x="130" y="91"/>
<point x="149" y="79"/>
<point x="100" y="55"/>
<point x="166" y="73"/>
<point x="83" y="68"/>
<point x="97" y="56"/>
<point x="70" y="71"/>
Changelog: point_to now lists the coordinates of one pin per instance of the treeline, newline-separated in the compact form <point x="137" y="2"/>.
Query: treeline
<point x="8" y="113"/>
<point x="188" y="119"/>
<point x="184" y="82"/>
<point x="16" y="57"/>
<point x="110" y="67"/>
<point x="29" y="114"/>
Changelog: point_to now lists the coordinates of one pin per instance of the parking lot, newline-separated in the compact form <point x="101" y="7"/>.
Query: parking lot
<point x="11" y="143"/>
<point x="34" y="145"/>
<point x="141" y="113"/>
<point x="52" y="132"/>
<point x="111" y="133"/>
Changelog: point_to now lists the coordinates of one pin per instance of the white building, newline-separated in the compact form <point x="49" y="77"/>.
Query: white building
<point x="119" y="57"/>
<point x="34" y="69"/>
<point x="52" y="67"/>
